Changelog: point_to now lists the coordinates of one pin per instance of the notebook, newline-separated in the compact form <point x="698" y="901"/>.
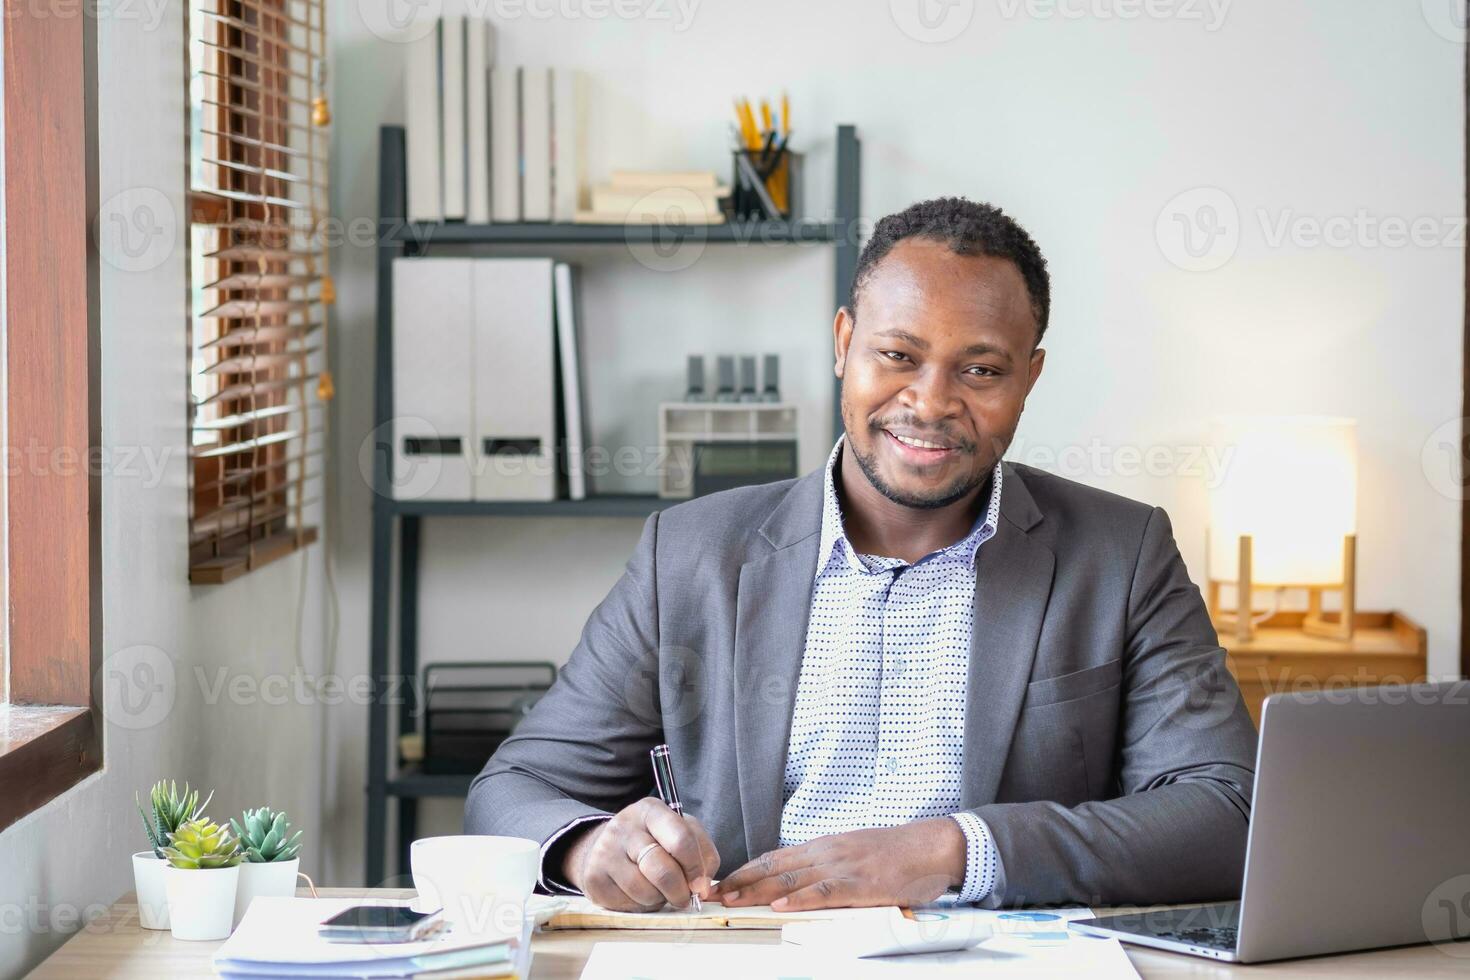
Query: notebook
<point x="277" y="938"/>
<point x="582" y="913"/>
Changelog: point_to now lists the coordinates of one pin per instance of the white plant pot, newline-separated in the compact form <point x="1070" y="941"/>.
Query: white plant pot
<point x="148" y="883"/>
<point x="273" y="879"/>
<point x="201" y="903"/>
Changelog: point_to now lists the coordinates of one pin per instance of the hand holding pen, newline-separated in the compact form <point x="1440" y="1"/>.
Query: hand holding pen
<point x="644" y="857"/>
<point x="668" y="791"/>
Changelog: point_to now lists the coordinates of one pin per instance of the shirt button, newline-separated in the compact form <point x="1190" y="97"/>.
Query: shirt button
<point x="891" y="764"/>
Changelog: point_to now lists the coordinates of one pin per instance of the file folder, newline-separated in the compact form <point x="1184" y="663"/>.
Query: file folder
<point x="505" y="144"/>
<point x="422" y="115"/>
<point x="514" y="389"/>
<point x="569" y="359"/>
<point x="433" y="424"/>
<point x="477" y="57"/>
<point x="451" y="61"/>
<point x="536" y="144"/>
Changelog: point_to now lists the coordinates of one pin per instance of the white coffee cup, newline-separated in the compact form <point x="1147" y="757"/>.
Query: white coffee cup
<point x="481" y="883"/>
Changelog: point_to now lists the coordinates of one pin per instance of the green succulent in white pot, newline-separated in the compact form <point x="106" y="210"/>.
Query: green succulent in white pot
<point x="201" y="880"/>
<point x="271" y="854"/>
<point x="167" y="809"/>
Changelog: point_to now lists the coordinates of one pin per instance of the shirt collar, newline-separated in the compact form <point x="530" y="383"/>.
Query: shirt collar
<point x="834" y="544"/>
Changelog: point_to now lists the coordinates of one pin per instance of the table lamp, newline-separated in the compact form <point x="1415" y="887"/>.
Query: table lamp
<point x="1284" y="515"/>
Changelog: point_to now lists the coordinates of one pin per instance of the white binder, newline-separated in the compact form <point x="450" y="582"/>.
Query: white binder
<point x="477" y="113"/>
<point x="452" y="60"/>
<point x="570" y="361"/>
<point x="421" y="115"/>
<point x="536" y="144"/>
<point x="505" y="144"/>
<point x="568" y="142"/>
<point x="433" y="399"/>
<point x="514" y="361"/>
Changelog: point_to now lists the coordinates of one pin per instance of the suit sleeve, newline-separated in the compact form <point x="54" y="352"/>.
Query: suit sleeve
<point x="1177" y="831"/>
<point x="583" y="749"/>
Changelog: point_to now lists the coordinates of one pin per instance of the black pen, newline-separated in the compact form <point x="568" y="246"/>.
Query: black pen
<point x="663" y="781"/>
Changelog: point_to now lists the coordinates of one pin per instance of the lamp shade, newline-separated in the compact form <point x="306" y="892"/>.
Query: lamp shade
<point x="1291" y="483"/>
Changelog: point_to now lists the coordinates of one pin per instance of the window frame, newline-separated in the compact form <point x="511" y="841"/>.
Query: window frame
<point x="51" y="734"/>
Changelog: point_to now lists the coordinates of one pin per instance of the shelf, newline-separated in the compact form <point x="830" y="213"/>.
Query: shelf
<point x="398" y="534"/>
<point x="534" y="233"/>
<point x="602" y="505"/>
<point x="410" y="782"/>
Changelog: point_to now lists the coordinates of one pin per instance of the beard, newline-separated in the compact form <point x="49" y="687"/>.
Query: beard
<point x="957" y="489"/>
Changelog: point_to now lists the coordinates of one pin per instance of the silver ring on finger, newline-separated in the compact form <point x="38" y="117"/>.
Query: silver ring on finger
<point x="644" y="853"/>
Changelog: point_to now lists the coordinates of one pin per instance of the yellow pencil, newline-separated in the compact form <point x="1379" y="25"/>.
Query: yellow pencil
<point x="765" y="116"/>
<point x="785" y="113"/>
<point x="752" y="133"/>
<point x="747" y="124"/>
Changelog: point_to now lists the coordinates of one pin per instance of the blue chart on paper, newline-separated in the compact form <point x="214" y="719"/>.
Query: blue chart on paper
<point x="1035" y="926"/>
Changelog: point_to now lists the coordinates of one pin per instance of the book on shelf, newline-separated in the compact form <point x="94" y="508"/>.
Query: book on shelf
<point x="505" y="138"/>
<point x="646" y="218"/>
<point x="535" y="144"/>
<point x="478" y="58"/>
<point x="614" y="199"/>
<point x="568" y="142"/>
<point x="425" y="158"/>
<point x="695" y="180"/>
<point x="493" y="143"/>
<point x="451" y="63"/>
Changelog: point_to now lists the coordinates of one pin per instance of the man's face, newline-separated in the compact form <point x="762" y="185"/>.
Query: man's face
<point x="936" y="370"/>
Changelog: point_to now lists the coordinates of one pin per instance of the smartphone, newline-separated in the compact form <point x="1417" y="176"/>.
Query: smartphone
<point x="379" y="924"/>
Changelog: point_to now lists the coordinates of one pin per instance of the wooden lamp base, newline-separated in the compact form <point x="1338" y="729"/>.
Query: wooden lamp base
<point x="1240" y="622"/>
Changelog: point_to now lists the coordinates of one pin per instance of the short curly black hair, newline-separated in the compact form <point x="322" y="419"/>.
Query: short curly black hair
<point x="968" y="228"/>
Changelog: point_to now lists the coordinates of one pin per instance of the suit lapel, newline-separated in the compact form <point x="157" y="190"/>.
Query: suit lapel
<point x="773" y="604"/>
<point x="1013" y="579"/>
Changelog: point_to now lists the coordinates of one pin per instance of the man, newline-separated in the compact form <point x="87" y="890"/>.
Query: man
<point x="917" y="671"/>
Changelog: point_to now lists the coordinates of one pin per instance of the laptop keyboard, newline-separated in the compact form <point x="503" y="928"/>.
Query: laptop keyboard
<point x="1215" y="937"/>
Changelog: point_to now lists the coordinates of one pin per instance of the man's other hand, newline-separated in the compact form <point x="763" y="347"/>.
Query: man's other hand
<point x="908" y="865"/>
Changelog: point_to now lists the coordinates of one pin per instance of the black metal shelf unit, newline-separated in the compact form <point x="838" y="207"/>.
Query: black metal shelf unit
<point x="393" y="684"/>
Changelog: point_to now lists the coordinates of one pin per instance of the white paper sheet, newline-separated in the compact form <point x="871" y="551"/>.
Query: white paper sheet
<point x="998" y="957"/>
<point x="282" y="932"/>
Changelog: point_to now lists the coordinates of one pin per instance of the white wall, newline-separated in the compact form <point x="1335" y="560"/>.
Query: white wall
<point x="72" y="855"/>
<point x="1086" y="127"/>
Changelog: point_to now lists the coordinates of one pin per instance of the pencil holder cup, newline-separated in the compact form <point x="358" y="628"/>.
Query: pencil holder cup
<point x="782" y="183"/>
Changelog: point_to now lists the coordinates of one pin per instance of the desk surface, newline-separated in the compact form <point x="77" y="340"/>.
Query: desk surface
<point x="115" y="947"/>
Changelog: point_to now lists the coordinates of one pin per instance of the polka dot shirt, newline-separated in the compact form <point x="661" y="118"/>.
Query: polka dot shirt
<point x="878" y="728"/>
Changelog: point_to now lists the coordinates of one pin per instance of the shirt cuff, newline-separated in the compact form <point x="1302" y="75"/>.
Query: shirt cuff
<point x="548" y="883"/>
<point x="982" y="863"/>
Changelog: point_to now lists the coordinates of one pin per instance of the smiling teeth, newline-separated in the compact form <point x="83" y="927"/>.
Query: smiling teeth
<point x="917" y="443"/>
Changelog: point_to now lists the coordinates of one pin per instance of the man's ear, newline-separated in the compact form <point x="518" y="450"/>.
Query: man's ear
<point x="842" y="327"/>
<point x="1038" y="360"/>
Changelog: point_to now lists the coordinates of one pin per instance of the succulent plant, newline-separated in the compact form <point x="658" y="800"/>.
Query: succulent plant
<point x="168" y="810"/>
<point x="201" y="845"/>
<point x="263" y="836"/>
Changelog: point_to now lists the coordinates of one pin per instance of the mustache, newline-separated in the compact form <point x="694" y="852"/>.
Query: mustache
<point x="930" y="433"/>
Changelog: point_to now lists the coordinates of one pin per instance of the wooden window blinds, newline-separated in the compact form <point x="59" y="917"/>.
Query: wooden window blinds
<point x="258" y="280"/>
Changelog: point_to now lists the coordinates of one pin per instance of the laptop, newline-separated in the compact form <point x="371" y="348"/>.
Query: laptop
<point x="1359" y="835"/>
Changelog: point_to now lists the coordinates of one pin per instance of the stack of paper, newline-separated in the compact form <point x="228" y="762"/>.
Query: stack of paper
<point x="1021" y="943"/>
<point x="659" y="197"/>
<point x="278" y="938"/>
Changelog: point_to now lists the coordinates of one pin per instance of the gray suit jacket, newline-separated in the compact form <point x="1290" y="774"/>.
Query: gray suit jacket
<point x="1106" y="745"/>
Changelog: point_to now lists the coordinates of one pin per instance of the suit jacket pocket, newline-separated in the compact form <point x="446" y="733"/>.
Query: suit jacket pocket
<point x="1078" y="684"/>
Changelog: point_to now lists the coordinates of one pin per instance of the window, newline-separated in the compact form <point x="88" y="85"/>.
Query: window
<point x="258" y="281"/>
<point x="50" y="730"/>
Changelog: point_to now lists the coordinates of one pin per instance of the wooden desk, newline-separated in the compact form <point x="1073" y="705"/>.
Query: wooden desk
<point x="1385" y="648"/>
<point x="115" y="947"/>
